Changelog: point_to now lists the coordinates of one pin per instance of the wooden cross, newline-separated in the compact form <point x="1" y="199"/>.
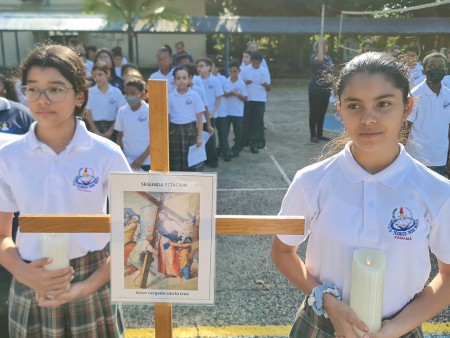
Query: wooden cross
<point x="159" y="153"/>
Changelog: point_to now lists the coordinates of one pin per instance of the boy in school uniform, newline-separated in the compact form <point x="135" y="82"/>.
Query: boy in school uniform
<point x="417" y="76"/>
<point x="133" y="134"/>
<point x="428" y="123"/>
<point x="165" y="71"/>
<point x="235" y="103"/>
<point x="214" y="93"/>
<point x="221" y="119"/>
<point x="257" y="80"/>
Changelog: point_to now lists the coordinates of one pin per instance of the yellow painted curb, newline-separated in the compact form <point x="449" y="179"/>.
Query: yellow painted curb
<point x="239" y="331"/>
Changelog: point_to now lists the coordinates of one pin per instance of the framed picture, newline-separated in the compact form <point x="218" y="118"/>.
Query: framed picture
<point x="163" y="237"/>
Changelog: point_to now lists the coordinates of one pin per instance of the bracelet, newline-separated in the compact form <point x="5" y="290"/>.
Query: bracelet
<point x="315" y="300"/>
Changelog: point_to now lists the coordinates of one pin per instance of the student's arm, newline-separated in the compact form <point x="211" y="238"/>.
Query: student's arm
<point x="119" y="139"/>
<point x="433" y="299"/>
<point x="320" y="56"/>
<point x="216" y="106"/>
<point x="109" y="132"/>
<point x="243" y="98"/>
<point x="208" y="121"/>
<point x="199" y="129"/>
<point x="91" y="123"/>
<point x="294" y="269"/>
<point x="138" y="162"/>
<point x="31" y="274"/>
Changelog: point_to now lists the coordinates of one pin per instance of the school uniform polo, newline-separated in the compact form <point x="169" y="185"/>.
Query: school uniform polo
<point x="223" y="108"/>
<point x="213" y="90"/>
<point x="184" y="107"/>
<point x="402" y="211"/>
<point x="168" y="77"/>
<point x="256" y="92"/>
<point x="235" y="105"/>
<point x="104" y="106"/>
<point x="135" y="128"/>
<point x="76" y="181"/>
<point x="430" y="118"/>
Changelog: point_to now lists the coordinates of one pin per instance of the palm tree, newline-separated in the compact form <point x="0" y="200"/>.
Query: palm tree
<point x="132" y="11"/>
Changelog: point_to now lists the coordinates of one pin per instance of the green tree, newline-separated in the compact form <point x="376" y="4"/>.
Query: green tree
<point x="132" y="12"/>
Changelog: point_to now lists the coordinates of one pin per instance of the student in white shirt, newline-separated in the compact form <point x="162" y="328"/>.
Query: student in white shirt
<point x="235" y="103"/>
<point x="165" y="70"/>
<point x="103" y="104"/>
<point x="417" y="76"/>
<point x="257" y="80"/>
<point x="214" y="94"/>
<point x="69" y="167"/>
<point x="371" y="194"/>
<point x="132" y="126"/>
<point x="221" y="118"/>
<point x="429" y="121"/>
<point x="186" y="125"/>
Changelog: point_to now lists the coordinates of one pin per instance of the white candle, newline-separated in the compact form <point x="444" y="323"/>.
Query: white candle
<point x="366" y="294"/>
<point x="56" y="247"/>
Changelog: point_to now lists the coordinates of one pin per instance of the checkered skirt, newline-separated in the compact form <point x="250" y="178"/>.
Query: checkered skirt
<point x="309" y="325"/>
<point x="181" y="137"/>
<point x="93" y="316"/>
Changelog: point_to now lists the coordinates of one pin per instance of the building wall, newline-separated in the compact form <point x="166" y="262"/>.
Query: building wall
<point x="148" y="43"/>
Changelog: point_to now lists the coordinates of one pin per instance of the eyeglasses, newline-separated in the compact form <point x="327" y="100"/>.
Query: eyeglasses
<point x="53" y="94"/>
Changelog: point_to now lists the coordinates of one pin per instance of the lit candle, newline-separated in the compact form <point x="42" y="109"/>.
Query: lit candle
<point x="56" y="247"/>
<point x="366" y="294"/>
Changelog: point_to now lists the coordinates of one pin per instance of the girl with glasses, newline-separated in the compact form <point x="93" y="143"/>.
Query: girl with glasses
<point x="58" y="167"/>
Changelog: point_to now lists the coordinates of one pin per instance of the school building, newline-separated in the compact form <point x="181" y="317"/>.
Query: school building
<point x="24" y="23"/>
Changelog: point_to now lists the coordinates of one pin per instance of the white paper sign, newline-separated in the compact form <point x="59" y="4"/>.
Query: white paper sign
<point x="163" y="237"/>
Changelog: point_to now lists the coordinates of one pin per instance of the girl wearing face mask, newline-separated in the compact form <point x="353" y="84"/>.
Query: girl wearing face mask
<point x="430" y="117"/>
<point x="133" y="134"/>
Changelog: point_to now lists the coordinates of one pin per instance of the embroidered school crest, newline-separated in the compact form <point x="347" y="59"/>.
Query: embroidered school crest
<point x="445" y="104"/>
<point x="85" y="179"/>
<point x="402" y="224"/>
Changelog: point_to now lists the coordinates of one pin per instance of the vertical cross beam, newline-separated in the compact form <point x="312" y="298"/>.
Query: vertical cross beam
<point x="159" y="157"/>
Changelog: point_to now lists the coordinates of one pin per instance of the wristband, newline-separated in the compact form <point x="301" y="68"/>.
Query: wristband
<point x="315" y="300"/>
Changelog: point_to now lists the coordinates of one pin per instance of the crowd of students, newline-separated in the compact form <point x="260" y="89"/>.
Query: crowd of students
<point x="373" y="170"/>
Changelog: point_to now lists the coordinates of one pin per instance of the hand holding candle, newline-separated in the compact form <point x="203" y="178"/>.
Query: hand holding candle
<point x="366" y="295"/>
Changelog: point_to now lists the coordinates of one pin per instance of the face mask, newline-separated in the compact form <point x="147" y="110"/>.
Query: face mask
<point x="435" y="75"/>
<point x="132" y="100"/>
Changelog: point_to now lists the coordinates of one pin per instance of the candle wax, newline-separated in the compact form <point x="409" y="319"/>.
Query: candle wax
<point x="56" y="247"/>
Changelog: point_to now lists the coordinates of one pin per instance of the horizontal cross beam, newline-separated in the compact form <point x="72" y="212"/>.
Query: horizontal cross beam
<point x="225" y="224"/>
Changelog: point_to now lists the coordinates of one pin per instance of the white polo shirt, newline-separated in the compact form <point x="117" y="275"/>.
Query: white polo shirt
<point x="184" y="107"/>
<point x="401" y="211"/>
<point x="76" y="181"/>
<point x="213" y="90"/>
<point x="256" y="92"/>
<point x="223" y="108"/>
<point x="197" y="86"/>
<point x="168" y="77"/>
<point x="430" y="119"/>
<point x="104" y="106"/>
<point x="235" y="105"/>
<point x="136" y="133"/>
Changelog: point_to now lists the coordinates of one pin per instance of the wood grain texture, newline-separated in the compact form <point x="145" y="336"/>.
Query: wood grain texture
<point x="225" y="224"/>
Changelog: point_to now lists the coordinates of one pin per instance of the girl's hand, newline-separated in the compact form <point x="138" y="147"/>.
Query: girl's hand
<point x="108" y="134"/>
<point x="76" y="291"/>
<point x="137" y="163"/>
<point x="210" y="129"/>
<point x="388" y="330"/>
<point x="45" y="282"/>
<point x="342" y="317"/>
<point x="199" y="140"/>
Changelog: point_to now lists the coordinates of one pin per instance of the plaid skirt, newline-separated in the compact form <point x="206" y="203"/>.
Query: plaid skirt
<point x="181" y="137"/>
<point x="309" y="325"/>
<point x="93" y="316"/>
